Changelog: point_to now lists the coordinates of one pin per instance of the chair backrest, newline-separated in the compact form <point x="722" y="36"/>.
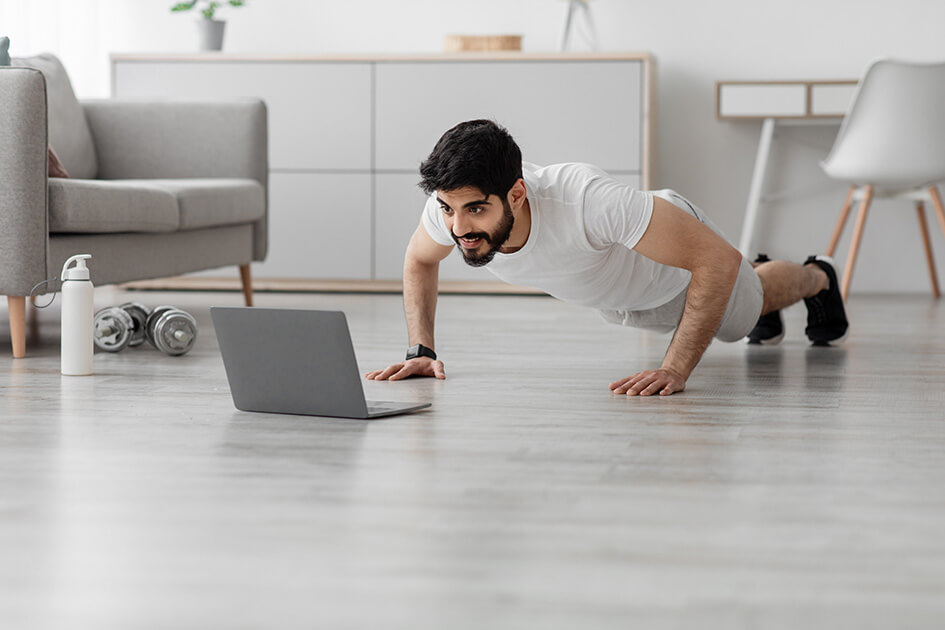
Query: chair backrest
<point x="69" y="132"/>
<point x="894" y="134"/>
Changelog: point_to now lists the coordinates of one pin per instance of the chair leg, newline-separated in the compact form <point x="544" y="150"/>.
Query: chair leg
<point x="937" y="202"/>
<point x="247" y="281"/>
<point x="924" y="228"/>
<point x="838" y="231"/>
<point x="17" y="307"/>
<point x="855" y="245"/>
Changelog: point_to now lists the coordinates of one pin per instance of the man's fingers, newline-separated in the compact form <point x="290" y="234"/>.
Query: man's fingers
<point x="653" y="387"/>
<point x="404" y="372"/>
<point x="383" y="375"/>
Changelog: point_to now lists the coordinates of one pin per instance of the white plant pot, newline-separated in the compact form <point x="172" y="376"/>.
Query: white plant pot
<point x="211" y="34"/>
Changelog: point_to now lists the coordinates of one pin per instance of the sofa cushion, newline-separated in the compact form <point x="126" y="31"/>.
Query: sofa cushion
<point x="68" y="129"/>
<point x="213" y="201"/>
<point x="97" y="206"/>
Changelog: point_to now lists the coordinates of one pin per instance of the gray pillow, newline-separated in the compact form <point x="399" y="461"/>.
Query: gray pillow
<point x="4" y="51"/>
<point x="68" y="129"/>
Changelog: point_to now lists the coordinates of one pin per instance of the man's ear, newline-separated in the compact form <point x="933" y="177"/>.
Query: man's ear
<point x="517" y="194"/>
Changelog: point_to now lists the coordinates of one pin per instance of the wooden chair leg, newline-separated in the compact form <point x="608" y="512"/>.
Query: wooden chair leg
<point x="838" y="231"/>
<point x="924" y="229"/>
<point x="855" y="244"/>
<point x="939" y="210"/>
<point x="17" y="307"/>
<point x="247" y="281"/>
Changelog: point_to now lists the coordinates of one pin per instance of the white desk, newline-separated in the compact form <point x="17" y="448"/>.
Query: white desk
<point x="783" y="102"/>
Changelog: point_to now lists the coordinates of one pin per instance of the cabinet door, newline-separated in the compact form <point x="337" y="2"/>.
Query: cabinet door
<point x="319" y="227"/>
<point x="557" y="111"/>
<point x="399" y="204"/>
<point x="319" y="113"/>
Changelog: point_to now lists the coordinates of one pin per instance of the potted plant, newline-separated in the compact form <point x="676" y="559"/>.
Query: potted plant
<point x="211" y="30"/>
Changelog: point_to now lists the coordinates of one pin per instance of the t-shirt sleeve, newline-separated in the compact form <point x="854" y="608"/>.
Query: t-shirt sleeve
<point x="434" y="224"/>
<point x="615" y="213"/>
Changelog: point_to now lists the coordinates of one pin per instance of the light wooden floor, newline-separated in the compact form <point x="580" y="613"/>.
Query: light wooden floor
<point x="789" y="487"/>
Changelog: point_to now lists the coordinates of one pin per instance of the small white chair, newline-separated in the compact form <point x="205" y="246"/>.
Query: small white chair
<point x="892" y="145"/>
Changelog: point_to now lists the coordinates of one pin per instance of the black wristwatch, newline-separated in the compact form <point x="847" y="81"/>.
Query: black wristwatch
<point x="419" y="350"/>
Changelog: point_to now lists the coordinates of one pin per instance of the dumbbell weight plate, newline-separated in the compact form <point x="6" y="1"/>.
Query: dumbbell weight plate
<point x="174" y="332"/>
<point x="152" y="319"/>
<point x="113" y="328"/>
<point x="139" y="313"/>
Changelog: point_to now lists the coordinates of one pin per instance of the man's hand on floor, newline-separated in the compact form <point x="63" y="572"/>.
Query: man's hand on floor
<point x="421" y="366"/>
<point x="663" y="380"/>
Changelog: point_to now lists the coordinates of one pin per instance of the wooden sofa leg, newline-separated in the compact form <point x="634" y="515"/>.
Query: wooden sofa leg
<point x="17" y="307"/>
<point x="247" y="281"/>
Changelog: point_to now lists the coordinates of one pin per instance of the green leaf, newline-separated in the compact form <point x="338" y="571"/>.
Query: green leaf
<point x="237" y="3"/>
<point x="184" y="6"/>
<point x="210" y="10"/>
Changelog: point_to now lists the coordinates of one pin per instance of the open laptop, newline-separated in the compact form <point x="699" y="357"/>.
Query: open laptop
<point x="294" y="361"/>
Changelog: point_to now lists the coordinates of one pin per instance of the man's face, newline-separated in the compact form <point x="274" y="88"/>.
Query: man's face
<point x="480" y="225"/>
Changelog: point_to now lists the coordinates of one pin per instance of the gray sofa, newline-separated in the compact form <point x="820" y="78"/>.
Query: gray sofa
<point x="156" y="189"/>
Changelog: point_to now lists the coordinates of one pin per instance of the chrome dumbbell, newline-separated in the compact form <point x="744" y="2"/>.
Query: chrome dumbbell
<point x="171" y="330"/>
<point x="117" y="327"/>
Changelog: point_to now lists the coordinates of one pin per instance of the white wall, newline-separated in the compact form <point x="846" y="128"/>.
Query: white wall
<point x="696" y="43"/>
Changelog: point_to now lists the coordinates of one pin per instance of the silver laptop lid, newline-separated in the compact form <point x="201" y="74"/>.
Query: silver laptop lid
<point x="290" y="361"/>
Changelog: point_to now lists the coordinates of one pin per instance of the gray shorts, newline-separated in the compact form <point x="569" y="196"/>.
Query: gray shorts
<point x="741" y="314"/>
<point x="744" y="305"/>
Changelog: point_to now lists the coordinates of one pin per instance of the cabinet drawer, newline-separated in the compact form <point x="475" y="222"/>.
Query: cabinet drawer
<point x="557" y="111"/>
<point x="319" y="227"/>
<point x="319" y="113"/>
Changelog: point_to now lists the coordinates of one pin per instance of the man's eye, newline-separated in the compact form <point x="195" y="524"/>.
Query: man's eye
<point x="475" y="210"/>
<point x="446" y="210"/>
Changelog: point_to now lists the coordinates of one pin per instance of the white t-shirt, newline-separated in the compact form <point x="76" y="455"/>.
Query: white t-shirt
<point x="584" y="225"/>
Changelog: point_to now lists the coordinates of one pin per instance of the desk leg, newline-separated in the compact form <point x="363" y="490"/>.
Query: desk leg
<point x="757" y="186"/>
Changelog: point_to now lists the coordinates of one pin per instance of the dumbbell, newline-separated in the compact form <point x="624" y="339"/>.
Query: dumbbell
<point x="117" y="327"/>
<point x="169" y="329"/>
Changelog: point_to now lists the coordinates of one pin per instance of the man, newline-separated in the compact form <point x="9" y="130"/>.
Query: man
<point x="645" y="259"/>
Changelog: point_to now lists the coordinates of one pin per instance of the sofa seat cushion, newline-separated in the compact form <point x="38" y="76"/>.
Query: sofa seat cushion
<point x="152" y="205"/>
<point x="213" y="202"/>
<point x="99" y="206"/>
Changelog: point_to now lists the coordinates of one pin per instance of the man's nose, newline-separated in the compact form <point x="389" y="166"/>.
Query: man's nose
<point x="459" y="227"/>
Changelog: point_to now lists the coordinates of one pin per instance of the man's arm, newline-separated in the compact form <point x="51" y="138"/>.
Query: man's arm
<point x="421" y="276"/>
<point x="674" y="237"/>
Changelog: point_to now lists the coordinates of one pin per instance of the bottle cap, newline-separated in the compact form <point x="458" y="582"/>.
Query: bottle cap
<point x="79" y="272"/>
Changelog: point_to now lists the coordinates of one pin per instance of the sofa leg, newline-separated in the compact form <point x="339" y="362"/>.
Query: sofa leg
<point x="16" y="304"/>
<point x="247" y="281"/>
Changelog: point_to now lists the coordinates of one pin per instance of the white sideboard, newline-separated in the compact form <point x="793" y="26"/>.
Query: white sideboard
<point x="347" y="135"/>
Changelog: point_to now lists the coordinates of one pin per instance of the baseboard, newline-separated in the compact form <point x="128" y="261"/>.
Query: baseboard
<point x="304" y="285"/>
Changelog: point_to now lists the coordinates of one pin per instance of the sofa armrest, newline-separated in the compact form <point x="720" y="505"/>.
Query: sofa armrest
<point x="23" y="139"/>
<point x="136" y="140"/>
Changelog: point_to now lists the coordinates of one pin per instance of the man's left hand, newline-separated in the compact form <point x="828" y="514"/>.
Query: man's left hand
<point x="664" y="381"/>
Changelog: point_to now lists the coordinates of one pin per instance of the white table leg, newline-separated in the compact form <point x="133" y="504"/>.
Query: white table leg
<point x="757" y="186"/>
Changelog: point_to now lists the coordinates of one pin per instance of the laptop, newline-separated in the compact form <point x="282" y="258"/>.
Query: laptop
<point x="295" y="361"/>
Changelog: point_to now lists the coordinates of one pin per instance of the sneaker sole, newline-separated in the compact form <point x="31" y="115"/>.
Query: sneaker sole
<point x="773" y="341"/>
<point x="827" y="344"/>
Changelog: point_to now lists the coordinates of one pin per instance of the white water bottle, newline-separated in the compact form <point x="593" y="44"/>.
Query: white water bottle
<point x="77" y="313"/>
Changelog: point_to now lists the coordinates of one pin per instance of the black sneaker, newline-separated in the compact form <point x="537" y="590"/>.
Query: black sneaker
<point x="770" y="328"/>
<point x="826" y="316"/>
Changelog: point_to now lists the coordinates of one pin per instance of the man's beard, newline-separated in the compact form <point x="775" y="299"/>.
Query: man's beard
<point x="495" y="240"/>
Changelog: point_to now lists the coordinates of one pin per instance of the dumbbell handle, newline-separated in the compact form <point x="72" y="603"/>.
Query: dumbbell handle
<point x="182" y="335"/>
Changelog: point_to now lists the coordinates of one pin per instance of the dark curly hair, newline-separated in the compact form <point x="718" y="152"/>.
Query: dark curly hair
<point x="478" y="153"/>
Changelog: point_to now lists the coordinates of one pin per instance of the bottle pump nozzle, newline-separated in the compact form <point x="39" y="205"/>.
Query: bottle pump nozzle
<point x="79" y="272"/>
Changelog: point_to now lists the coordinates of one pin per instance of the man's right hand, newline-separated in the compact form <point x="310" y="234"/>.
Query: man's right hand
<point x="421" y="366"/>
